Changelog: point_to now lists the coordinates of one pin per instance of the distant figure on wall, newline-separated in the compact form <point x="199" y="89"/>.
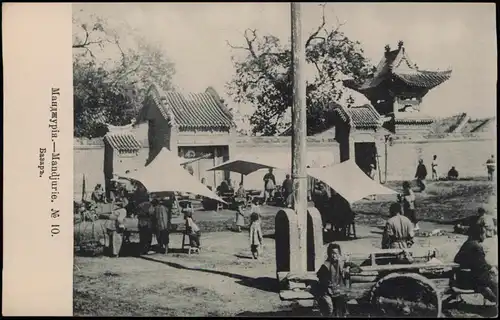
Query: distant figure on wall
<point x="453" y="174"/>
<point x="434" y="167"/>
<point x="269" y="185"/>
<point x="490" y="167"/>
<point x="421" y="174"/>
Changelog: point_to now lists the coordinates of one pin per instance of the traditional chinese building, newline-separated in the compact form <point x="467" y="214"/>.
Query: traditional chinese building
<point x="196" y="125"/>
<point x="358" y="131"/>
<point x="397" y="89"/>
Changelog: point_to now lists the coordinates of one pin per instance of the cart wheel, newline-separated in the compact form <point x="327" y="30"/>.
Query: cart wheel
<point x="406" y="295"/>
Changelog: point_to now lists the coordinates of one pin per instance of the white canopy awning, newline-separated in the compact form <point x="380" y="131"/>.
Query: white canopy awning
<point x="348" y="180"/>
<point x="164" y="173"/>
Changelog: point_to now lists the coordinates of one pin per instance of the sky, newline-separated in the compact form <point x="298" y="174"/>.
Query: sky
<point x="436" y="36"/>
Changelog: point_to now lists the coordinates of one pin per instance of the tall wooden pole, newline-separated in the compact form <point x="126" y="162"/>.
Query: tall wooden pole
<point x="299" y="174"/>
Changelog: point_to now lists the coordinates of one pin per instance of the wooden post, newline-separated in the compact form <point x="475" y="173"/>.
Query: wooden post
<point x="299" y="136"/>
<point x="352" y="148"/>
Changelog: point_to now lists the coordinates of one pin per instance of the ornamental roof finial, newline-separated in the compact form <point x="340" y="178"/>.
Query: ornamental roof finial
<point x="387" y="48"/>
<point x="400" y="44"/>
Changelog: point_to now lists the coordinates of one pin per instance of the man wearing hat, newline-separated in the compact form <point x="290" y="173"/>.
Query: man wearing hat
<point x="161" y="224"/>
<point x="421" y="174"/>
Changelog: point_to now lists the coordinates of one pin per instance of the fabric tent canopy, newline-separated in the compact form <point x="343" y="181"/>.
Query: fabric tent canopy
<point x="164" y="173"/>
<point x="246" y="164"/>
<point x="349" y="181"/>
<point x="244" y="167"/>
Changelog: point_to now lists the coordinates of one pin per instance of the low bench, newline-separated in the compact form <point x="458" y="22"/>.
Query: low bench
<point x="461" y="285"/>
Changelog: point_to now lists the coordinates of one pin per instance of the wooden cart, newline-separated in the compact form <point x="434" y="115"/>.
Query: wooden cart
<point x="388" y="288"/>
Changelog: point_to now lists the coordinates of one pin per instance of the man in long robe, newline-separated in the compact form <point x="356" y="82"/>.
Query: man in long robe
<point x="161" y="224"/>
<point x="398" y="231"/>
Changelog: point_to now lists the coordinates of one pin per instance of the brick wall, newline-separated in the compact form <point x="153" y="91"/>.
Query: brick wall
<point x="467" y="154"/>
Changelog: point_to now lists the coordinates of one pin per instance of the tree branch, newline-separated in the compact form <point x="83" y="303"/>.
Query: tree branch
<point x="250" y="40"/>
<point x="321" y="26"/>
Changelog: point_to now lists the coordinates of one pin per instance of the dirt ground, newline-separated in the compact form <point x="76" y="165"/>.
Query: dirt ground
<point x="224" y="281"/>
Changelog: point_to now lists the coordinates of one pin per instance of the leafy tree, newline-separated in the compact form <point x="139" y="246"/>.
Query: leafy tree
<point x="112" y="72"/>
<point x="263" y="77"/>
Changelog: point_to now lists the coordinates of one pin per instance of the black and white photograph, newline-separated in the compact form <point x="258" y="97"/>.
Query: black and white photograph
<point x="285" y="159"/>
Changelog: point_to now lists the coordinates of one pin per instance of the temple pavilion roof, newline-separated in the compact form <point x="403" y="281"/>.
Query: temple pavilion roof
<point x="396" y="64"/>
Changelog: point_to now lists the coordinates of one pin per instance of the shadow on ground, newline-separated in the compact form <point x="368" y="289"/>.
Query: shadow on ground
<point x="262" y="283"/>
<point x="470" y="309"/>
<point x="241" y="256"/>
<point x="356" y="311"/>
<point x="134" y="249"/>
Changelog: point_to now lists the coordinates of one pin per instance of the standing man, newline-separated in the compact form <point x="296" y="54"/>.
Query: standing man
<point x="490" y="167"/>
<point x="398" y="231"/>
<point x="408" y="201"/>
<point x="287" y="190"/>
<point x="161" y="224"/>
<point x="269" y="185"/>
<point x="434" y="166"/>
<point x="145" y="226"/>
<point x="421" y="174"/>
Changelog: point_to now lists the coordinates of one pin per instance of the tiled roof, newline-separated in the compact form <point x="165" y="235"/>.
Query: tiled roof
<point x="123" y="142"/>
<point x="193" y="110"/>
<point x="413" y="118"/>
<point x="362" y="117"/>
<point x="413" y="121"/>
<point x="424" y="79"/>
<point x="397" y="63"/>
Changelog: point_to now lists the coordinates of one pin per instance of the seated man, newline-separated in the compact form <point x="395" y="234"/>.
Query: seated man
<point x="331" y="277"/>
<point x="398" y="231"/>
<point x="224" y="188"/>
<point x="472" y="256"/>
<point x="453" y="174"/>
<point x="98" y="195"/>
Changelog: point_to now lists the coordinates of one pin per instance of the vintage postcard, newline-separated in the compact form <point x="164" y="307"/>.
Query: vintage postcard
<point x="250" y="159"/>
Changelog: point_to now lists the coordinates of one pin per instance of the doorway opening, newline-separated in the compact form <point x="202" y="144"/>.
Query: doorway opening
<point x="365" y="155"/>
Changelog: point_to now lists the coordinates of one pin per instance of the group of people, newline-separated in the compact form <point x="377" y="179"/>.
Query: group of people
<point x="157" y="219"/>
<point x="153" y="214"/>
<point x="399" y="234"/>
<point x="421" y="173"/>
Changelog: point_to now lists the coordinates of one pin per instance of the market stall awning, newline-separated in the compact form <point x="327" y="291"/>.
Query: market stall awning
<point x="247" y="164"/>
<point x="242" y="166"/>
<point x="349" y="181"/>
<point x="165" y="174"/>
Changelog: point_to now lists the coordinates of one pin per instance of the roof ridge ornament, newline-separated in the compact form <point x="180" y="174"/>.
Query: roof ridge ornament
<point x="387" y="48"/>
<point x="400" y="44"/>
